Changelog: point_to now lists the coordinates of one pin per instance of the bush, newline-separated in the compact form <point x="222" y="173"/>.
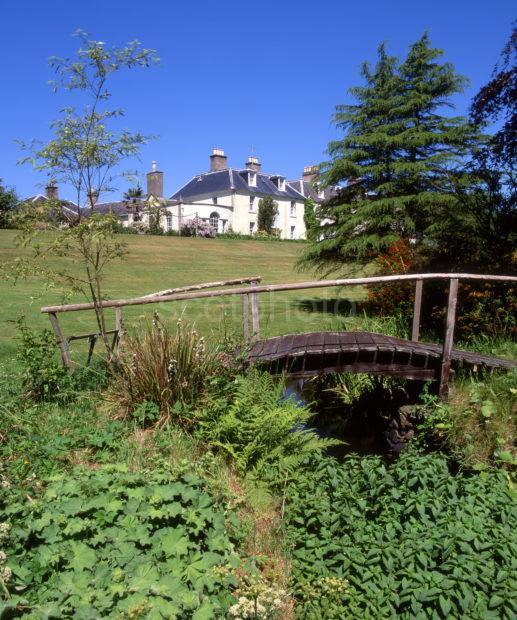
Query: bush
<point x="477" y="425"/>
<point x="169" y="370"/>
<point x="44" y="377"/>
<point x="196" y="227"/>
<point x="408" y="541"/>
<point x="111" y="543"/>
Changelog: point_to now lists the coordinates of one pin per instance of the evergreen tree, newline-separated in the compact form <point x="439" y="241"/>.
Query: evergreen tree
<point x="402" y="154"/>
<point x="267" y="211"/>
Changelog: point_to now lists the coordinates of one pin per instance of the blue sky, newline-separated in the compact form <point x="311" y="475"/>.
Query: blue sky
<point x="245" y="75"/>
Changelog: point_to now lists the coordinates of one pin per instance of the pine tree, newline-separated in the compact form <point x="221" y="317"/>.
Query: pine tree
<point x="400" y="156"/>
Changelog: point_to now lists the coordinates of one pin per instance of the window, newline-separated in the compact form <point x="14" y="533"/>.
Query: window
<point x="252" y="178"/>
<point x="252" y="227"/>
<point x="168" y="221"/>
<point x="293" y="232"/>
<point x="281" y="185"/>
<point x="252" y="203"/>
<point x="214" y="200"/>
<point x="214" y="220"/>
<point x="293" y="208"/>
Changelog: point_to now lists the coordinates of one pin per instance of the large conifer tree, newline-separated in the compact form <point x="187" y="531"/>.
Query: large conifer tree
<point x="400" y="157"/>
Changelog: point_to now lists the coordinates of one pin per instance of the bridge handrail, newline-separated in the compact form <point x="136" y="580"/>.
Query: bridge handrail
<point x="269" y="288"/>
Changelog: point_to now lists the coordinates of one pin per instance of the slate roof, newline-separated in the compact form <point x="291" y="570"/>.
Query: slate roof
<point x="69" y="208"/>
<point x="123" y="207"/>
<point x="308" y="190"/>
<point x="233" y="179"/>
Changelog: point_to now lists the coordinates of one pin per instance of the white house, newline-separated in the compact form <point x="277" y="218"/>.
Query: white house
<point x="229" y="198"/>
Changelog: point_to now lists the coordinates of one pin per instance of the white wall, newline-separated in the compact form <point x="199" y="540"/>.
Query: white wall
<point x="234" y="208"/>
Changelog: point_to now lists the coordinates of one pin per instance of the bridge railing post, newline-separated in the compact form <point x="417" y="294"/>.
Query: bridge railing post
<point x="449" y="338"/>
<point x="417" y="306"/>
<point x="255" y="314"/>
<point x="246" y="318"/>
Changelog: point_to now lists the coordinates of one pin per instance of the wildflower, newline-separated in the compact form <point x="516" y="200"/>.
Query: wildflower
<point x="6" y="573"/>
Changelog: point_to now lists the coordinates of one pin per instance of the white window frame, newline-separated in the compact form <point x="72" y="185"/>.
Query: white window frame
<point x="293" y="232"/>
<point x="293" y="208"/>
<point x="252" y="228"/>
<point x="252" y="204"/>
<point x="214" y="216"/>
<point x="252" y="179"/>
<point x="168" y="221"/>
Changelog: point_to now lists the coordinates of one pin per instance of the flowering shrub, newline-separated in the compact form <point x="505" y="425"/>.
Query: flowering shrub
<point x="196" y="227"/>
<point x="257" y="600"/>
<point x="395" y="297"/>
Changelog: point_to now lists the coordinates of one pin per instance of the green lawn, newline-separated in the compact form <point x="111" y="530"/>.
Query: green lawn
<point x="156" y="263"/>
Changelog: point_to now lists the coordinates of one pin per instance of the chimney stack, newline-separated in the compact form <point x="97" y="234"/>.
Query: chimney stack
<point x="310" y="173"/>
<point x="218" y="160"/>
<point x="51" y="191"/>
<point x="253" y="163"/>
<point x="155" y="182"/>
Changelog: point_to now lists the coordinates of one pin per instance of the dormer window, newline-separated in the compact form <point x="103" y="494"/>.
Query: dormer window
<point x="214" y="200"/>
<point x="279" y="182"/>
<point x="252" y="178"/>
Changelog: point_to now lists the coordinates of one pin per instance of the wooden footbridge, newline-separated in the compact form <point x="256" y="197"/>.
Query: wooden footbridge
<point x="305" y="355"/>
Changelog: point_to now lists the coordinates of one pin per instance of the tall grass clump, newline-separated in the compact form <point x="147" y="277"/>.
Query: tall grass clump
<point x="162" y="373"/>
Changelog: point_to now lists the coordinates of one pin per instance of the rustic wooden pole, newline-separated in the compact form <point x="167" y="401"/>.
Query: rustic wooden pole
<point x="119" y="328"/>
<point x="63" y="344"/>
<point x="449" y="338"/>
<point x="246" y="318"/>
<point x="417" y="306"/>
<point x="255" y="313"/>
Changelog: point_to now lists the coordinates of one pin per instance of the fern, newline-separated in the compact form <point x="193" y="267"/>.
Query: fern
<point x="263" y="433"/>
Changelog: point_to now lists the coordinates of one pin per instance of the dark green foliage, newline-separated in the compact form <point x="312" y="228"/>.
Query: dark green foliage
<point x="267" y="211"/>
<point x="117" y="544"/>
<point x="400" y="155"/>
<point x="407" y="541"/>
<point x="8" y="202"/>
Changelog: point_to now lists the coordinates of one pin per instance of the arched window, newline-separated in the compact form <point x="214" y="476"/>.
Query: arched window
<point x="214" y="220"/>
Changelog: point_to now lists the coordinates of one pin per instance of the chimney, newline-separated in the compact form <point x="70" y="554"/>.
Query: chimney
<point x="310" y="173"/>
<point x="155" y="182"/>
<point x="218" y="160"/>
<point x="253" y="163"/>
<point x="51" y="191"/>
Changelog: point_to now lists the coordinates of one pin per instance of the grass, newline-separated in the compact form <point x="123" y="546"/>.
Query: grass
<point x="156" y="263"/>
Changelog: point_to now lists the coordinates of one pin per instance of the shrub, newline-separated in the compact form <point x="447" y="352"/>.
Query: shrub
<point x="44" y="377"/>
<point x="111" y="543"/>
<point x="196" y="227"/>
<point x="266" y="435"/>
<point x="396" y="297"/>
<point x="478" y="424"/>
<point x="406" y="541"/>
<point x="170" y="370"/>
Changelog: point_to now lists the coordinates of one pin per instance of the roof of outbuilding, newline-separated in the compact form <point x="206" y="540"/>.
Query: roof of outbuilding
<point x="233" y="179"/>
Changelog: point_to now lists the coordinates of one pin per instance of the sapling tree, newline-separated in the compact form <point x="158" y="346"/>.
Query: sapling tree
<point x="86" y="152"/>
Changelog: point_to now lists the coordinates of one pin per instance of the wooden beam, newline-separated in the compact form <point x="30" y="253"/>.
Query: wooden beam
<point x="293" y="286"/>
<point x="449" y="339"/>
<point x="197" y="287"/>
<point x="417" y="306"/>
<point x="255" y="314"/>
<point x="63" y="344"/>
<point x="246" y="318"/>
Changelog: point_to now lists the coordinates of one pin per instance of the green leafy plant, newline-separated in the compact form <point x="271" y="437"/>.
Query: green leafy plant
<point x="266" y="436"/>
<point x="411" y="540"/>
<point x="44" y="377"/>
<point x="112" y="543"/>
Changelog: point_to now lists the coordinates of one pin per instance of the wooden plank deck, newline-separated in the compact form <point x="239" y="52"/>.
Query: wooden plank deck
<point x="305" y="355"/>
